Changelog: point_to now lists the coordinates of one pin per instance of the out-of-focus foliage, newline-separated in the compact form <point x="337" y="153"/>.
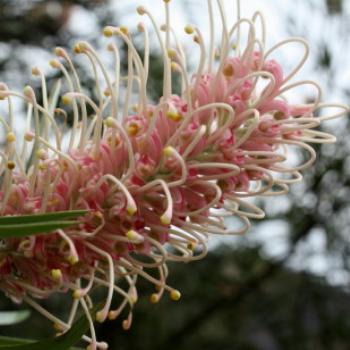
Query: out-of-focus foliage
<point x="335" y="6"/>
<point x="31" y="28"/>
<point x="234" y="299"/>
<point x="322" y="201"/>
<point x="33" y="22"/>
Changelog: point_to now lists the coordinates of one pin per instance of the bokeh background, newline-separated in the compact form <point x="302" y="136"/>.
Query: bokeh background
<point x="285" y="284"/>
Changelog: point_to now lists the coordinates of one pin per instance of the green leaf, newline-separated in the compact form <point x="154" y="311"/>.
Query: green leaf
<point x="12" y="317"/>
<point x="25" y="225"/>
<point x="34" y="218"/>
<point x="21" y="230"/>
<point x="4" y="341"/>
<point x="9" y="342"/>
<point x="63" y="342"/>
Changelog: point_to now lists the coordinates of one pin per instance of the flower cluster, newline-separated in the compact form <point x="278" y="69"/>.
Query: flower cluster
<point x="158" y="181"/>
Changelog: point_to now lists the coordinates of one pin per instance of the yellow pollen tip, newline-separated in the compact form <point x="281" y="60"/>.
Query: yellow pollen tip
<point x="141" y="10"/>
<point x="41" y="154"/>
<point x="175" y="295"/>
<point x="174" y="115"/>
<point x="191" y="246"/>
<point x="54" y="64"/>
<point x="131" y="210"/>
<point x="174" y="66"/>
<point x="107" y="93"/>
<point x="98" y="215"/>
<point x="35" y="71"/>
<point x="77" y="294"/>
<point x="56" y="275"/>
<point x="165" y="219"/>
<point x="101" y="316"/>
<point x="108" y="31"/>
<point x="109" y="122"/>
<point x="66" y="100"/>
<point x="136" y="238"/>
<point x="124" y="30"/>
<point x="11" y="165"/>
<point x="54" y="202"/>
<point x="133" y="130"/>
<point x="172" y="53"/>
<point x="166" y="1"/>
<point x="126" y="325"/>
<point x="42" y="166"/>
<point x="28" y="91"/>
<point x="59" y="51"/>
<point x="228" y="70"/>
<point x="83" y="46"/>
<point x="72" y="260"/>
<point x="132" y="235"/>
<point x="28" y="136"/>
<point x="168" y="151"/>
<point x="154" y="298"/>
<point x="189" y="30"/>
<point x="10" y="137"/>
<point x="279" y="115"/>
<point x="77" y="49"/>
<point x="112" y="315"/>
<point x="58" y="327"/>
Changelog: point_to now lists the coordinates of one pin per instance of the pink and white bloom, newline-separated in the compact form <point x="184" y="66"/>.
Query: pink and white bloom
<point x="157" y="180"/>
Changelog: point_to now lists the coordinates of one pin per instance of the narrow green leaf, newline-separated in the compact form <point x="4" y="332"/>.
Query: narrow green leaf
<point x="21" y="230"/>
<point x="9" y="343"/>
<point x="28" y="219"/>
<point x="63" y="342"/>
<point x="12" y="317"/>
<point x="4" y="341"/>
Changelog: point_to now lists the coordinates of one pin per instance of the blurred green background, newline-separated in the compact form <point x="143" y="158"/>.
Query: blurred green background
<point x="285" y="285"/>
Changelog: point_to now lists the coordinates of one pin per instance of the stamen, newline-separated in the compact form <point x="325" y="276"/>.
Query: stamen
<point x="167" y="69"/>
<point x="73" y="258"/>
<point x="131" y="204"/>
<point x="199" y="134"/>
<point x="172" y="152"/>
<point x="62" y="53"/>
<point x="102" y="314"/>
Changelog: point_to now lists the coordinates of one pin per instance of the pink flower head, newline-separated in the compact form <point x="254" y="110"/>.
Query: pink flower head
<point x="157" y="179"/>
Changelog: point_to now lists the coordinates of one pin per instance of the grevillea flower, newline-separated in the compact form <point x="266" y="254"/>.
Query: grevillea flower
<point x="158" y="181"/>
